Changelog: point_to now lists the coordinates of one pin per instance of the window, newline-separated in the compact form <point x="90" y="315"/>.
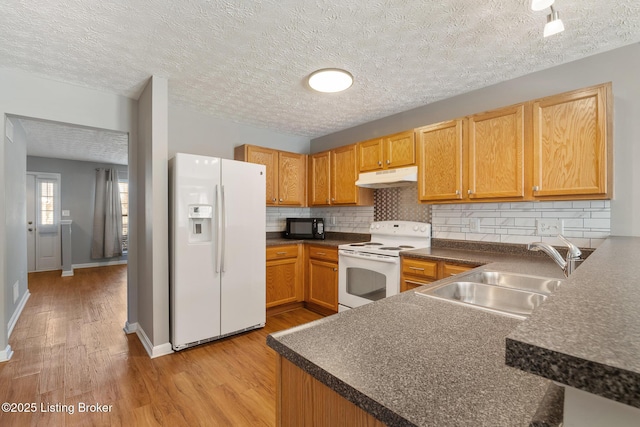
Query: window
<point x="48" y="201"/>
<point x="123" y="186"/>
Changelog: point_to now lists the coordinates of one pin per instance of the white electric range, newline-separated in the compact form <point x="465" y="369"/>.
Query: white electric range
<point x="369" y="271"/>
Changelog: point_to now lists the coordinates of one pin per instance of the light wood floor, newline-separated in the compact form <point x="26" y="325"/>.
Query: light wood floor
<point x="69" y="348"/>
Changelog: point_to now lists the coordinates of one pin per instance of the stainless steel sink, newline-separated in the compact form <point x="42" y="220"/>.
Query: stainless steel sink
<point x="538" y="284"/>
<point x="514" y="302"/>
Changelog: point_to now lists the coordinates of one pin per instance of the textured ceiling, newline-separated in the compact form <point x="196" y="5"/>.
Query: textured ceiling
<point x="247" y="60"/>
<point x="60" y="141"/>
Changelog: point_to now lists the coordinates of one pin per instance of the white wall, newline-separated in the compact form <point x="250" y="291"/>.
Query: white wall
<point x="22" y="94"/>
<point x="619" y="66"/>
<point x="196" y="133"/>
<point x="16" y="211"/>
<point x="153" y="218"/>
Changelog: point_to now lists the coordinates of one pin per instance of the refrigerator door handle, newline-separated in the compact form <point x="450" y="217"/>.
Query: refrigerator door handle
<point x="219" y="232"/>
<point x="224" y="229"/>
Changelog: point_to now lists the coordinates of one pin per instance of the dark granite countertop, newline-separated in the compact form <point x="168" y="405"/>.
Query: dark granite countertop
<point x="414" y="360"/>
<point x="332" y="239"/>
<point x="587" y="335"/>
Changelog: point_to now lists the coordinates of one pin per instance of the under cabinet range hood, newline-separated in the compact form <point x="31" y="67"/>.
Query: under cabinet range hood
<point x="398" y="177"/>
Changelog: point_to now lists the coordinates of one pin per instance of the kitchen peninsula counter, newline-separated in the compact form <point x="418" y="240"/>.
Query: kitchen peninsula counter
<point x="413" y="360"/>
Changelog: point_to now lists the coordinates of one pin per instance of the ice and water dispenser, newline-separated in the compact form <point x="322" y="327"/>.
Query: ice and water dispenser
<point x="200" y="217"/>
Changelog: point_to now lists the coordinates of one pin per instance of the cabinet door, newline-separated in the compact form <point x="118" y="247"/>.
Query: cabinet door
<point x="323" y="284"/>
<point x="269" y="158"/>
<point x="283" y="282"/>
<point x="320" y="179"/>
<point x="344" y="175"/>
<point x="496" y="145"/>
<point x="400" y="150"/>
<point x="440" y="161"/>
<point x="570" y="135"/>
<point x="370" y="155"/>
<point x="291" y="178"/>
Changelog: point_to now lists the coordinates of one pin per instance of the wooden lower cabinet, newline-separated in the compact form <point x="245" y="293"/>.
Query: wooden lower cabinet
<point x="284" y="275"/>
<point x="418" y="272"/>
<point x="302" y="400"/>
<point x="322" y="279"/>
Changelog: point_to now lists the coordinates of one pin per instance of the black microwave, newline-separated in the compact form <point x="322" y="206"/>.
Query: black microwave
<point x="304" y="228"/>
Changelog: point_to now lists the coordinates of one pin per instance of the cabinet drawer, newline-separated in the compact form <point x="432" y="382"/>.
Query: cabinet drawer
<point x="280" y="252"/>
<point x="449" y="270"/>
<point x="420" y="268"/>
<point x="323" y="252"/>
<point x="411" y="282"/>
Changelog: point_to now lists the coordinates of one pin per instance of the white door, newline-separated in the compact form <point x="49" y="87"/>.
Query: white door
<point x="43" y="211"/>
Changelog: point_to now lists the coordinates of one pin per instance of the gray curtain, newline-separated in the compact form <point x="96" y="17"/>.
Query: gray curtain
<point x="107" y="216"/>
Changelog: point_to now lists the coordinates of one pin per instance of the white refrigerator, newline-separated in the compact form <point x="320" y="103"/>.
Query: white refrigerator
<point x="217" y="248"/>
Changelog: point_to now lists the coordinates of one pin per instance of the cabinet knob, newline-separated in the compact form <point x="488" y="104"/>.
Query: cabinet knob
<point x="335" y="269"/>
<point x="333" y="199"/>
<point x="379" y="163"/>
<point x="469" y="192"/>
<point x="274" y="199"/>
<point x="388" y="161"/>
<point x="327" y="200"/>
<point x="536" y="188"/>
<point x="31" y="229"/>
<point x="280" y="200"/>
<point x="457" y="192"/>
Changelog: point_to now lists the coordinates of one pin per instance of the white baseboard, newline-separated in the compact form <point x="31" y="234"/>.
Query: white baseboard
<point x="16" y="314"/>
<point x="6" y="354"/>
<point x="67" y="273"/>
<point x="99" y="264"/>
<point x="130" y="328"/>
<point x="152" y="351"/>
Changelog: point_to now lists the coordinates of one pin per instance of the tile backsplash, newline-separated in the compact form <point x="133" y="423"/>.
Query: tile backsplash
<point x="586" y="223"/>
<point x="348" y="219"/>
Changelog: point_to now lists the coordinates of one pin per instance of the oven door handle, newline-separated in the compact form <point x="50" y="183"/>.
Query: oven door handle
<point x="391" y="260"/>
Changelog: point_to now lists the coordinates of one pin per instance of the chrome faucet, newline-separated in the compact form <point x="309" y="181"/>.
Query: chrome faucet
<point x="573" y="254"/>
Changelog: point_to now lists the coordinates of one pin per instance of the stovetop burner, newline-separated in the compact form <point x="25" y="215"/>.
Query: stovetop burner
<point x="406" y="247"/>
<point x="391" y="248"/>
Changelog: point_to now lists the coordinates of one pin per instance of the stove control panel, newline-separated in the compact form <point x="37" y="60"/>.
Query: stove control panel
<point x="401" y="228"/>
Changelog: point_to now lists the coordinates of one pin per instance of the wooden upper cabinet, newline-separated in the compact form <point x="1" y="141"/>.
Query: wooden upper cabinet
<point x="370" y="155"/>
<point x="291" y="178"/>
<point x="262" y="156"/>
<point x="440" y="161"/>
<point x="400" y="150"/>
<point x="572" y="144"/>
<point x="496" y="149"/>
<point x="344" y="175"/>
<point x="286" y="173"/>
<point x="320" y="179"/>
<point x="391" y="151"/>
<point x="332" y="179"/>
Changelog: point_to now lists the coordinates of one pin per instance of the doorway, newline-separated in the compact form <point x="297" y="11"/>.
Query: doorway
<point x="43" y="221"/>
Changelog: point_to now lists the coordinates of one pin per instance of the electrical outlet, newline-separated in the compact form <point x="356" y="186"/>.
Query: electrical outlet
<point x="549" y="227"/>
<point x="474" y="225"/>
<point x="66" y="212"/>
<point x="16" y="291"/>
<point x="332" y="220"/>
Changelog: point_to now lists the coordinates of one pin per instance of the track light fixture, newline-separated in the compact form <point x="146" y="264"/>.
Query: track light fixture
<point x="554" y="24"/>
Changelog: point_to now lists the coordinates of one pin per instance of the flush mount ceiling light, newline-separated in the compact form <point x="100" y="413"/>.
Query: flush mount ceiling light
<point x="540" y="4"/>
<point x="554" y="24"/>
<point x="330" y="80"/>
